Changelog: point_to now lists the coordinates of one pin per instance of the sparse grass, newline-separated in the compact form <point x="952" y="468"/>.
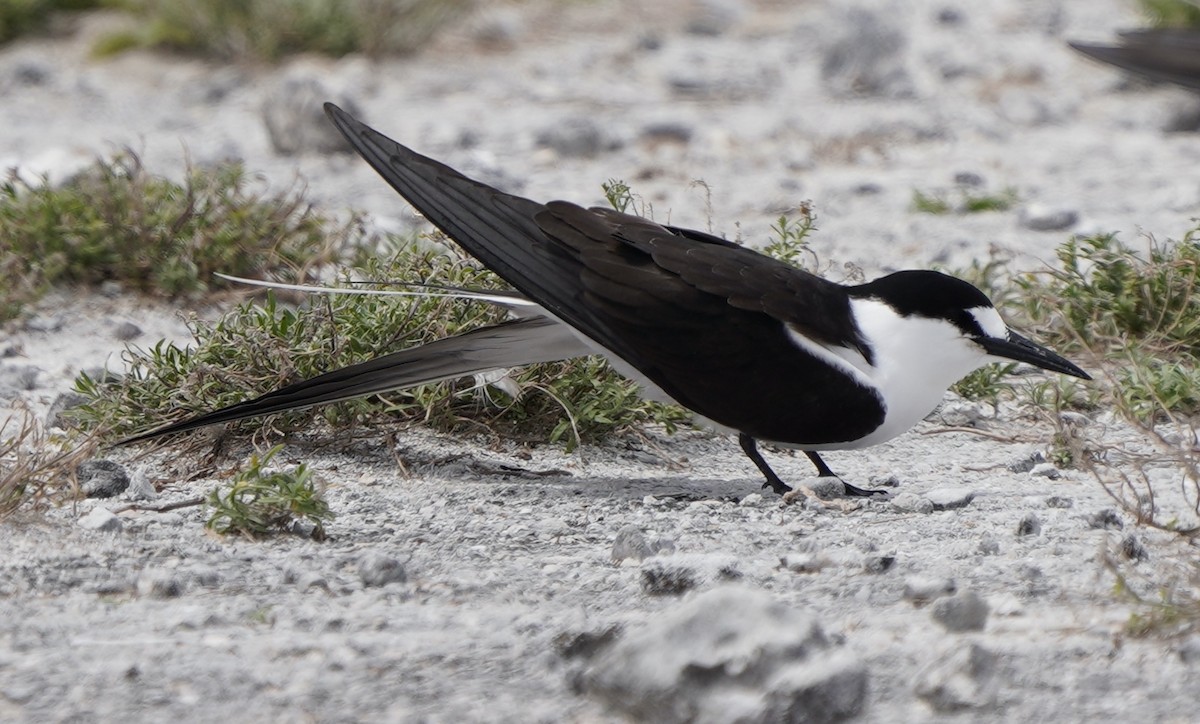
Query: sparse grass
<point x="791" y="238"/>
<point x="962" y="200"/>
<point x="35" y="468"/>
<point x="117" y="221"/>
<point x="267" y="30"/>
<point x="259" y="502"/>
<point x="257" y="348"/>
<point x="1172" y="13"/>
<point x="21" y="17"/>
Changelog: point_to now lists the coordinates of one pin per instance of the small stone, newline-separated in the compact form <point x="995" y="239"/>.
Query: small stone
<point x="668" y="579"/>
<point x="662" y="545"/>
<point x="292" y="113"/>
<point x="45" y="323"/>
<point x="111" y="288"/>
<point x="127" y="331"/>
<point x="921" y="590"/>
<point x="101" y="478"/>
<point x="630" y="544"/>
<point x="1058" y="501"/>
<point x="140" y="486"/>
<point x="585" y="644"/>
<point x="729" y="654"/>
<point x="989" y="546"/>
<point x="712" y="18"/>
<point x="57" y="415"/>
<point x="964" y="611"/>
<point x="751" y="500"/>
<point x="801" y="562"/>
<point x="15" y="379"/>
<point x="1045" y="470"/>
<point x="960" y="681"/>
<point x="376" y="569"/>
<point x="866" y="55"/>
<point x="101" y="519"/>
<point x="158" y="583"/>
<point x="969" y="179"/>
<point x="1036" y="217"/>
<point x="827" y="488"/>
<point x="1028" y="462"/>
<point x="912" y="503"/>
<point x="1189" y="649"/>
<point x="950" y="498"/>
<point x="960" y="413"/>
<point x="1030" y="525"/>
<point x="879" y="563"/>
<point x="1106" y="518"/>
<point x="667" y="132"/>
<point x="1133" y="550"/>
<point x="577" y="137"/>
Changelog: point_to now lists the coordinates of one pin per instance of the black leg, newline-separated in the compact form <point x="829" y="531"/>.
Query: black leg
<point x="750" y="447"/>
<point x="850" y="490"/>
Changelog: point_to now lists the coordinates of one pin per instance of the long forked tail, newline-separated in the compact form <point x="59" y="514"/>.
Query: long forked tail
<point x="509" y="344"/>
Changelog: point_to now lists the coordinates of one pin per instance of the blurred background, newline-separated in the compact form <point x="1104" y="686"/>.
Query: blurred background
<point x="922" y="131"/>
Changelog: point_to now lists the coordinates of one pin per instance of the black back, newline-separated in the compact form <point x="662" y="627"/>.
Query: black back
<point x="703" y="318"/>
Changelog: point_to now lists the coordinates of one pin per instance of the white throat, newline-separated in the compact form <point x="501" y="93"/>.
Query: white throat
<point x="916" y="359"/>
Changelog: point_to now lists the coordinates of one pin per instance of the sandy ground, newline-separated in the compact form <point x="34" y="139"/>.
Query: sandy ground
<point x="467" y="579"/>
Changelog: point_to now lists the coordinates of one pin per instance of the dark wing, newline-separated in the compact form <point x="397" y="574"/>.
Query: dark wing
<point x="695" y="314"/>
<point x="1167" y="55"/>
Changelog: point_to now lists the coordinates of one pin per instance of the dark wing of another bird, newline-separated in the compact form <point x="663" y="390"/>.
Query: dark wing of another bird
<point x="1165" y="55"/>
<point x="695" y="314"/>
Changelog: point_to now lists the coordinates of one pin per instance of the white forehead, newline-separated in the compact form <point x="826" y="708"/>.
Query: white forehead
<point x="989" y="321"/>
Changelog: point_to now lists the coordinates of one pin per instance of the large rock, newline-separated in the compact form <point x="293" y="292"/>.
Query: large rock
<point x="732" y="654"/>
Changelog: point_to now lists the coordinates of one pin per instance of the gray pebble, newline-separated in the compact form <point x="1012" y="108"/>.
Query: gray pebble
<point x="912" y="503"/>
<point x="1133" y="550"/>
<point x="295" y="121"/>
<point x="879" y="563"/>
<point x="1045" y="470"/>
<point x="1105" y="518"/>
<point x="1058" y="501"/>
<point x="101" y="519"/>
<point x="630" y="543"/>
<point x="963" y="680"/>
<point x="101" y="478"/>
<point x="1029" y="524"/>
<point x="127" y="331"/>
<point x="964" y="611"/>
<point x="1036" y="217"/>
<point x="921" y="589"/>
<point x="668" y="579"/>
<point x="865" y="56"/>
<point x="827" y="488"/>
<point x="111" y="288"/>
<point x="577" y="137"/>
<point x="45" y="323"/>
<point x="377" y="569"/>
<point x="713" y="17"/>
<point x="950" y="498"/>
<point x="1189" y="649"/>
<point x="989" y="546"/>
<point x="140" y="487"/>
<point x="15" y="379"/>
<point x="730" y="654"/>
<point x="960" y="413"/>
<point x="159" y="583"/>
<point x="585" y="644"/>
<point x="1028" y="462"/>
<point x="56" y="416"/>
<point x="801" y="562"/>
<point x="667" y="132"/>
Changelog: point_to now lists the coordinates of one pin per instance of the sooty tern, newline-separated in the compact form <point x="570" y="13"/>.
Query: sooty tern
<point x="1164" y="55"/>
<point x="748" y="343"/>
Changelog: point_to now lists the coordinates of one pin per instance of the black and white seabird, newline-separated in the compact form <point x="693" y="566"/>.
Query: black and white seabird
<point x="746" y="342"/>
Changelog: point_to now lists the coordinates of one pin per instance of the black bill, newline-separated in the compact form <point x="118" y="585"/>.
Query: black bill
<point x="1022" y="349"/>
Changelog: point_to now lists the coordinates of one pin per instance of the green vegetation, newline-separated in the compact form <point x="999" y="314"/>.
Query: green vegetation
<point x="258" y="30"/>
<point x="1172" y="13"/>
<point x="259" y="503"/>
<point x="115" y="221"/>
<point x="962" y="201"/>
<point x="791" y="238"/>
<point x="21" y="17"/>
<point x="257" y="348"/>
